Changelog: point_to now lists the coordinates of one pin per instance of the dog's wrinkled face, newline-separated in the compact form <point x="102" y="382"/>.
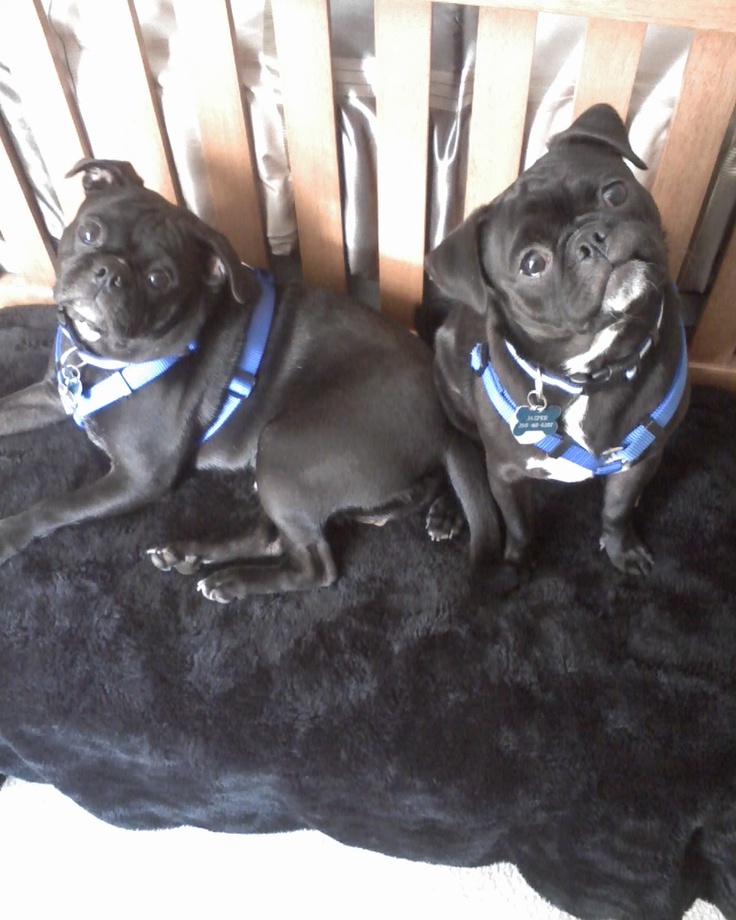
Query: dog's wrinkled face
<point x="136" y="276"/>
<point x="570" y="255"/>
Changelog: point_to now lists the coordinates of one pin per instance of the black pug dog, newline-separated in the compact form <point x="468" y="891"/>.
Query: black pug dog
<point x="170" y="353"/>
<point x="567" y="356"/>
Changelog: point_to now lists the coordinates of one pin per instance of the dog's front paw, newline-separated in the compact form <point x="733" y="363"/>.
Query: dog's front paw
<point x="221" y="587"/>
<point x="445" y="519"/>
<point x="629" y="556"/>
<point x="175" y="556"/>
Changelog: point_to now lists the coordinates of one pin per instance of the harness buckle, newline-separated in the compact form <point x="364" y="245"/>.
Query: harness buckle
<point x="242" y="383"/>
<point x="593" y="379"/>
<point x="610" y="457"/>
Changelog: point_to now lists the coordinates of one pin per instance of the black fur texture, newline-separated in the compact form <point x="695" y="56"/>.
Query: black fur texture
<point x="569" y="267"/>
<point x="343" y="417"/>
<point x="583" y="728"/>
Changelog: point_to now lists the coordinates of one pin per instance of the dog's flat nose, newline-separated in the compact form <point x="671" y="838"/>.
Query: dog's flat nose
<point x="589" y="241"/>
<point x="111" y="273"/>
<point x="596" y="242"/>
<point x="109" y="277"/>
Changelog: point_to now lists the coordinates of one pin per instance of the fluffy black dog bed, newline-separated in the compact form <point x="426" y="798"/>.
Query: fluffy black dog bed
<point x="583" y="728"/>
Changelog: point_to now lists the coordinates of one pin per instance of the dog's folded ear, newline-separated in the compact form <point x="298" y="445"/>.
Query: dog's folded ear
<point x="455" y="265"/>
<point x="600" y="124"/>
<point x="224" y="263"/>
<point x="102" y="175"/>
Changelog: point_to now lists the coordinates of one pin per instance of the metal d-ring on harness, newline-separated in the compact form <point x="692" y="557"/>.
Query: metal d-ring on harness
<point x="545" y="438"/>
<point x="125" y="379"/>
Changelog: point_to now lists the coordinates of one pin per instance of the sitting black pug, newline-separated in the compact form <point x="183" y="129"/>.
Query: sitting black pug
<point x="172" y="353"/>
<point x="567" y="356"/>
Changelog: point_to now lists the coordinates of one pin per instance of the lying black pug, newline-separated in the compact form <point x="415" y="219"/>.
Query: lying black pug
<point x="571" y="361"/>
<point x="164" y="334"/>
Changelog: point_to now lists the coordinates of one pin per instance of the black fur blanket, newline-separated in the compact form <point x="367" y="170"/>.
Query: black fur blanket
<point x="583" y="728"/>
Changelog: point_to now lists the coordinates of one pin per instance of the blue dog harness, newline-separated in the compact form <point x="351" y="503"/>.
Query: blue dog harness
<point x="124" y="379"/>
<point x="632" y="447"/>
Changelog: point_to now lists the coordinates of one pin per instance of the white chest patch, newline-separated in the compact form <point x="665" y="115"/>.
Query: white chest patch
<point x="615" y="304"/>
<point x="573" y="419"/>
<point x="602" y="341"/>
<point x="556" y="467"/>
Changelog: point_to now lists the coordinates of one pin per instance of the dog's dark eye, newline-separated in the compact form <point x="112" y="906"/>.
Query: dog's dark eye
<point x="614" y="194"/>
<point x="91" y="232"/>
<point x="533" y="264"/>
<point x="159" y="280"/>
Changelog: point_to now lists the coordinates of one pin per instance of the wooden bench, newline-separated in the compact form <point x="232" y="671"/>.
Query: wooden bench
<point x="615" y="32"/>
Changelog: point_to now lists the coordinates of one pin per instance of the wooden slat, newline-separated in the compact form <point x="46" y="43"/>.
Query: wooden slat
<point x="303" y="47"/>
<point x="610" y="60"/>
<point x="48" y="102"/>
<point x="504" y="53"/>
<point x="403" y="33"/>
<point x="206" y="30"/>
<point x="21" y="223"/>
<point x="687" y="14"/>
<point x="715" y="337"/>
<point x="695" y="135"/>
<point x="713" y="375"/>
<point x="129" y="126"/>
<point x="16" y="291"/>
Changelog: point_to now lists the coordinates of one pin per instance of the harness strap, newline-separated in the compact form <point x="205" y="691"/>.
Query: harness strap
<point x="244" y="379"/>
<point x="124" y="380"/>
<point x="575" y="389"/>
<point x="633" y="446"/>
<point x="127" y="378"/>
<point x="583" y="383"/>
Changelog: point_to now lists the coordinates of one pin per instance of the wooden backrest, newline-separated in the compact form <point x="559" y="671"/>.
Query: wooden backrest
<point x="506" y="33"/>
